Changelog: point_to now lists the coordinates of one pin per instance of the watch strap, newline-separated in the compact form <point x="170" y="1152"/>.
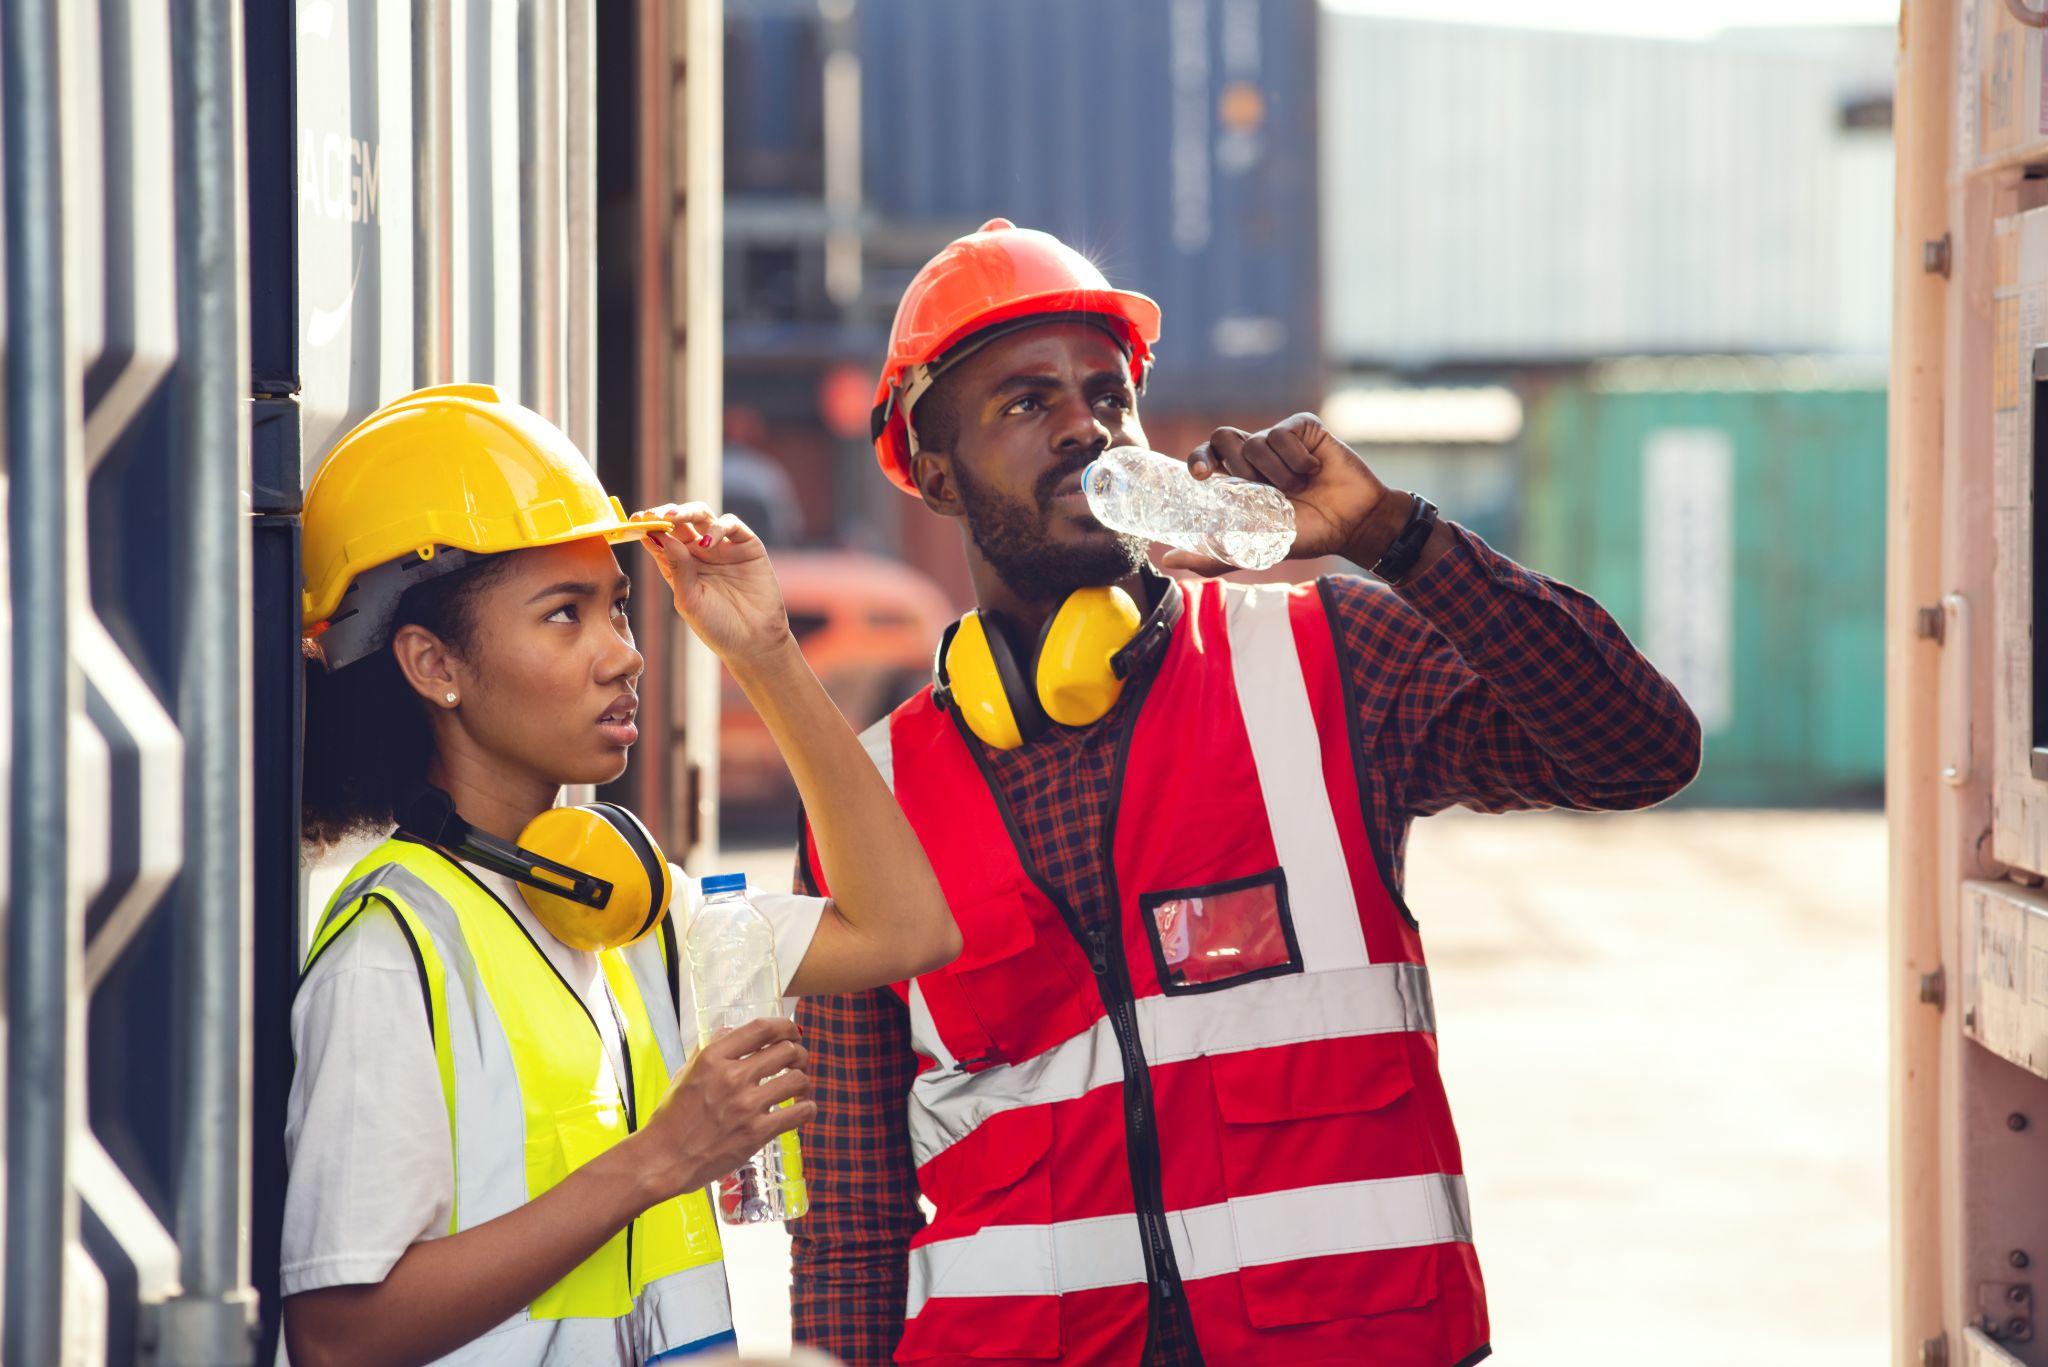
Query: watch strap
<point x="1400" y="557"/>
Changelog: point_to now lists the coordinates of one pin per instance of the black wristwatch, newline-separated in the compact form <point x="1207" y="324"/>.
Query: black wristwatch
<point x="1400" y="557"/>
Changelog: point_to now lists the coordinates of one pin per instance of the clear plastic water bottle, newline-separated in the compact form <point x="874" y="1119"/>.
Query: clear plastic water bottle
<point x="731" y="950"/>
<point x="1146" y="494"/>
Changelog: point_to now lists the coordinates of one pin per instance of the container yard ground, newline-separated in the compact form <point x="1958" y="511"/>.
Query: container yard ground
<point x="1664" y="1037"/>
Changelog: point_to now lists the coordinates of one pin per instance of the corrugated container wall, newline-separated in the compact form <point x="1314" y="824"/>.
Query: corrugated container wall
<point x="1173" y="141"/>
<point x="1731" y="516"/>
<point x="357" y="220"/>
<point x="1495" y="195"/>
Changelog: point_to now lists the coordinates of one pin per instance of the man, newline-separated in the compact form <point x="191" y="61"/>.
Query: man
<point x="1177" y="1101"/>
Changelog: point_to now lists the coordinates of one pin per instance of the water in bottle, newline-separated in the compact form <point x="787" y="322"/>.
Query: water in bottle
<point x="1147" y="494"/>
<point x="731" y="951"/>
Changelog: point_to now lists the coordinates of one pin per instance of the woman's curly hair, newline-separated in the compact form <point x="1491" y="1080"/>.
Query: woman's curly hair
<point x="368" y="742"/>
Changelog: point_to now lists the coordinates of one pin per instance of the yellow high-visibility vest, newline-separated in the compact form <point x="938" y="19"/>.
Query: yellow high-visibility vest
<point x="532" y="1096"/>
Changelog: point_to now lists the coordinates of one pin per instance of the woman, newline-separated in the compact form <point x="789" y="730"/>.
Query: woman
<point x="497" y="1154"/>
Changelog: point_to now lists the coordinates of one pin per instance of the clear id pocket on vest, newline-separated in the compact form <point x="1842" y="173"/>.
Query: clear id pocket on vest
<point x="1221" y="935"/>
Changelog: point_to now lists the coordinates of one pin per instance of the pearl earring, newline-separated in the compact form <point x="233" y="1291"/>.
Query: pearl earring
<point x="451" y="697"/>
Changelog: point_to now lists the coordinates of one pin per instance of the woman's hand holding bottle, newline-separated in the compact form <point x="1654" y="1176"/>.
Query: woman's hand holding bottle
<point x="723" y="1107"/>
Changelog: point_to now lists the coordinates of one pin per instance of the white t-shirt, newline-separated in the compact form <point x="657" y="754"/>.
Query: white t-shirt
<point x="366" y="1127"/>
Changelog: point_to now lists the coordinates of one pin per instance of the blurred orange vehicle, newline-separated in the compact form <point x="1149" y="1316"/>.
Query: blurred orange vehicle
<point x="867" y="624"/>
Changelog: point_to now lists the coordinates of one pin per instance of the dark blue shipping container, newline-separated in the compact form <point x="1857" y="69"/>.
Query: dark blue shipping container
<point x="773" y="142"/>
<point x="1173" y="141"/>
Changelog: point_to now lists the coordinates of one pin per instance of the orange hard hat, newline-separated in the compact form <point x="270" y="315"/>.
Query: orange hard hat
<point x="995" y="275"/>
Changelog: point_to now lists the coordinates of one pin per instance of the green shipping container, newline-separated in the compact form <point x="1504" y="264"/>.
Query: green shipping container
<point x="1730" y="514"/>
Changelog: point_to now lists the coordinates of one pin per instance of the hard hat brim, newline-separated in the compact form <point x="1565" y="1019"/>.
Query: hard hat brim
<point x="613" y="531"/>
<point x="1140" y="313"/>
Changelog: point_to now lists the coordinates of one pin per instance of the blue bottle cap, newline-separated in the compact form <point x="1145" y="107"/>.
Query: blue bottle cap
<point x="724" y="882"/>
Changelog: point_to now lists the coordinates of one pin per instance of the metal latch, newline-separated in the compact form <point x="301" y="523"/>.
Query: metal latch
<point x="1934" y="988"/>
<point x="1934" y="256"/>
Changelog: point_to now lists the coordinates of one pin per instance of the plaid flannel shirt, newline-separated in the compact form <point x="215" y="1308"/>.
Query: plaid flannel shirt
<point x="1479" y="683"/>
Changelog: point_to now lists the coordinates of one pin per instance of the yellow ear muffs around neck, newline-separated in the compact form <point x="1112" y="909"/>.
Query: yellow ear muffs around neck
<point x="608" y="843"/>
<point x="1077" y="681"/>
<point x="981" y="675"/>
<point x="593" y="875"/>
<point x="1006" y="699"/>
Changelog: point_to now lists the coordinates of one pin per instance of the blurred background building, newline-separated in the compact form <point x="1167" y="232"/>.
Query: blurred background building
<point x="1484" y="254"/>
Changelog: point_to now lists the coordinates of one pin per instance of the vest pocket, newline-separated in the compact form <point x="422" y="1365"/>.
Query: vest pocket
<point x="1321" y="1250"/>
<point x="1013" y="992"/>
<point x="987" y="1293"/>
<point x="1346" y="1286"/>
<point x="599" y="1285"/>
<point x="674" y="1236"/>
<point x="1207" y="938"/>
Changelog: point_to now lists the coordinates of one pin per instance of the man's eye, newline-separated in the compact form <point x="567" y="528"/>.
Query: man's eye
<point x="1120" y="402"/>
<point x="1020" y="405"/>
<point x="565" y="614"/>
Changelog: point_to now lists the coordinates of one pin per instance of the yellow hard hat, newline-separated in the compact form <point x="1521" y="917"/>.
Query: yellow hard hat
<point x="452" y="465"/>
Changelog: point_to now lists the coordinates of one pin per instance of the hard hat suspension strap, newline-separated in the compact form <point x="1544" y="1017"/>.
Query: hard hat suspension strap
<point x="361" y="625"/>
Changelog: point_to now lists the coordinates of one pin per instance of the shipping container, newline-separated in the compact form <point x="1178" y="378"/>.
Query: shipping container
<point x="1494" y="195"/>
<point x="1173" y="141"/>
<point x="1730" y="514"/>
<point x="422" y="192"/>
<point x="1966" y="985"/>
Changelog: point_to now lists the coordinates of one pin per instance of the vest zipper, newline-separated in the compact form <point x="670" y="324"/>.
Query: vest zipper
<point x="1140" y="1112"/>
<point x="1113" y="982"/>
<point x="1141" y="1134"/>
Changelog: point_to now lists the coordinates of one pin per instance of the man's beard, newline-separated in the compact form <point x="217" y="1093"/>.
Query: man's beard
<point x="1011" y="536"/>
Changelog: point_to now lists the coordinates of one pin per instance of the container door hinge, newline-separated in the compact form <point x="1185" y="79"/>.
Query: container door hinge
<point x="2006" y="1311"/>
<point x="1934" y="256"/>
<point x="1934" y="1351"/>
<point x="1929" y="623"/>
<point x="1934" y="988"/>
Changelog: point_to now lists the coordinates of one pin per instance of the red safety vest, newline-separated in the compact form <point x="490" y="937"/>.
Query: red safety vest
<point x="1233" y="1098"/>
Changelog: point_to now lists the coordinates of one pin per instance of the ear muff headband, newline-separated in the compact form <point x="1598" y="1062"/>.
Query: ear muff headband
<point x="531" y="870"/>
<point x="431" y="817"/>
<point x="1006" y="647"/>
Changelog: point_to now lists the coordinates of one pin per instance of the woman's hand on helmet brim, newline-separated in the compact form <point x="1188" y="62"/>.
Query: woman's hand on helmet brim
<point x="723" y="586"/>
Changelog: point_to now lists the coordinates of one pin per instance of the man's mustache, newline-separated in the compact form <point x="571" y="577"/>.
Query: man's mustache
<point x="1052" y="479"/>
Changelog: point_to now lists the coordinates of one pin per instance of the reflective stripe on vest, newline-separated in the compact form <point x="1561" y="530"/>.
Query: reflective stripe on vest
<point x="1208" y="1241"/>
<point x="949" y="1102"/>
<point x="532" y="1095"/>
<point x="1014" y="1119"/>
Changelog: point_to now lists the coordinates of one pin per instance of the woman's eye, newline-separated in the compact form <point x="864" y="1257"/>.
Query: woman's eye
<point x="619" y="607"/>
<point x="565" y="614"/>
